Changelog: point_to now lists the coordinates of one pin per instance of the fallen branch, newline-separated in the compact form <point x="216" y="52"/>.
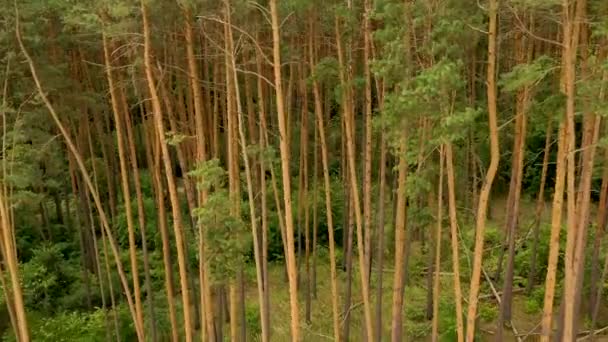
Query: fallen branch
<point x="515" y="332"/>
<point x="591" y="333"/>
<point x="351" y="308"/>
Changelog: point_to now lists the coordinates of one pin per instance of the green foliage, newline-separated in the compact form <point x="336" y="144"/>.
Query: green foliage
<point x="416" y="324"/>
<point x="174" y="138"/>
<point x="225" y="237"/>
<point x="527" y="74"/>
<point x="487" y="311"/>
<point x="47" y="276"/>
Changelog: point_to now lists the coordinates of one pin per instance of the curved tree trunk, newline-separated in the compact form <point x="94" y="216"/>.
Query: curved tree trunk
<point x="484" y="195"/>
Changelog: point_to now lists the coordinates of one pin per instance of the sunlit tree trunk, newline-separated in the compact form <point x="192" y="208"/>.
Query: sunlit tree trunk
<point x="328" y="208"/>
<point x="454" y="240"/>
<point x="400" y="236"/>
<point x="249" y="178"/>
<point x="436" y="283"/>
<point x="124" y="177"/>
<point x="263" y="187"/>
<point x="173" y="196"/>
<point x="9" y="256"/>
<point x="484" y="195"/>
<point x="556" y="222"/>
<point x="284" y="147"/>
<point x="347" y="103"/>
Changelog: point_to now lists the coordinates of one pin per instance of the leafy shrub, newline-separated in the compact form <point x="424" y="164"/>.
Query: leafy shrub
<point x="488" y="312"/>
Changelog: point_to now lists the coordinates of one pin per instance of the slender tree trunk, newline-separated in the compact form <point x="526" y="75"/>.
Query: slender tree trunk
<point x="595" y="286"/>
<point x="173" y="196"/>
<point x="454" y="240"/>
<point x="512" y="221"/>
<point x="350" y="150"/>
<point x="124" y="176"/>
<point x="540" y="205"/>
<point x="153" y="146"/>
<point x="141" y="216"/>
<point x="491" y="172"/>
<point x="263" y="143"/>
<point x="436" y="284"/>
<point x="367" y="180"/>
<point x="9" y="256"/>
<point x="400" y="237"/>
<point x="328" y="208"/>
<point x="348" y="292"/>
<point x="578" y="202"/>
<point x="110" y="286"/>
<point x="380" y="239"/>
<point x="556" y="222"/>
<point x="248" y="174"/>
<point x="284" y="147"/>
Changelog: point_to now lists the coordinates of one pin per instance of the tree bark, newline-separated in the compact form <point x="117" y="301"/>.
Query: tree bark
<point x="173" y="196"/>
<point x="284" y="147"/>
<point x="484" y="195"/>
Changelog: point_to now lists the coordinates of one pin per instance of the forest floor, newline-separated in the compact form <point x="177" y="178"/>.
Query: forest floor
<point x="526" y="313"/>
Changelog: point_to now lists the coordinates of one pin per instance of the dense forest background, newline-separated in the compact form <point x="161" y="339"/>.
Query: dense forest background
<point x="304" y="170"/>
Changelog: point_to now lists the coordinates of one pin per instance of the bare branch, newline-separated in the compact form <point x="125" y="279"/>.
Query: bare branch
<point x="251" y="38"/>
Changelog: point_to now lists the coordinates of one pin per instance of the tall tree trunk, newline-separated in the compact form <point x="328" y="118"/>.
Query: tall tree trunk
<point x="578" y="202"/>
<point x="347" y="102"/>
<point x="436" y="284"/>
<point x="380" y="239"/>
<point x="153" y="147"/>
<point x="367" y="178"/>
<point x="284" y="147"/>
<point x="173" y="196"/>
<point x="600" y="230"/>
<point x="454" y="239"/>
<point x="249" y="178"/>
<point x="517" y="166"/>
<point x="9" y="256"/>
<point x="263" y="142"/>
<point x="328" y="208"/>
<point x="484" y="195"/>
<point x="140" y="215"/>
<point x="556" y="222"/>
<point x="400" y="236"/>
<point x="124" y="177"/>
<point x="540" y="206"/>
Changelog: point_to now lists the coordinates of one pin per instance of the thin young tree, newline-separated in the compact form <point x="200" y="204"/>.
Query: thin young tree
<point x="249" y="178"/>
<point x="284" y="148"/>
<point x="454" y="240"/>
<point x="540" y="206"/>
<point x="327" y="185"/>
<point x="480" y="224"/>
<point x="437" y="254"/>
<point x="173" y="196"/>
<point x="124" y="177"/>
<point x="348" y="104"/>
